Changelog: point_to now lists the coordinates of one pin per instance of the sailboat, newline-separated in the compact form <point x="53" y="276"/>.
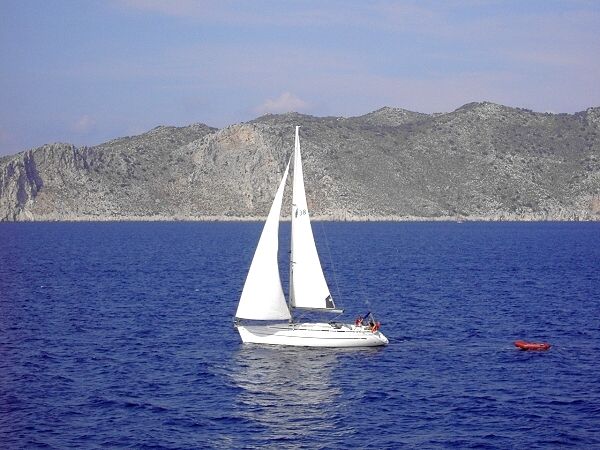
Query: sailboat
<point x="263" y="315"/>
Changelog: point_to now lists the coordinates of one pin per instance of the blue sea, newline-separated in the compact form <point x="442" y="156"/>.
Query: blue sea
<point x="119" y="335"/>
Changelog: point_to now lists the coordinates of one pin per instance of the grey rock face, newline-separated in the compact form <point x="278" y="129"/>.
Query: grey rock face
<point x="483" y="161"/>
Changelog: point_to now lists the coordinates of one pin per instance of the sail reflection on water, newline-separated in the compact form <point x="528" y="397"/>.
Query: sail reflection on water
<point x="288" y="391"/>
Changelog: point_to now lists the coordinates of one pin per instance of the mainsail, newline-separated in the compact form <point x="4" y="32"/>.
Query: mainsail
<point x="262" y="297"/>
<point x="308" y="288"/>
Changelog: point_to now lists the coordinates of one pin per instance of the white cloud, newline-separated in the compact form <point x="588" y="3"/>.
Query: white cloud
<point x="286" y="102"/>
<point x="183" y="8"/>
<point x="83" y="124"/>
<point x="258" y="12"/>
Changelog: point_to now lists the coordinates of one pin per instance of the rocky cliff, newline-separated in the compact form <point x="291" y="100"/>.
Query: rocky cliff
<point x="483" y="161"/>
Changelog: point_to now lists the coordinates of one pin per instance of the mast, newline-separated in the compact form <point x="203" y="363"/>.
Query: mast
<point x="291" y="289"/>
<point x="291" y="277"/>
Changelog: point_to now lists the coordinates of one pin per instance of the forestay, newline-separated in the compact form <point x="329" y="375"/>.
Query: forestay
<point x="262" y="297"/>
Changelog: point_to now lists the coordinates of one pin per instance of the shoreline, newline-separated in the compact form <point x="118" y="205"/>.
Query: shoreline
<point x="321" y="218"/>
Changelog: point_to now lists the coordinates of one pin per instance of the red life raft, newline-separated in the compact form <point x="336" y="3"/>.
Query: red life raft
<point x="532" y="345"/>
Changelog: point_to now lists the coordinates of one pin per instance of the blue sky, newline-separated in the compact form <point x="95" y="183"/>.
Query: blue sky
<point x="86" y="71"/>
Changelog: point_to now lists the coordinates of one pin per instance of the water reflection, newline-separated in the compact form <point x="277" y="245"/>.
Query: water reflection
<point x="288" y="392"/>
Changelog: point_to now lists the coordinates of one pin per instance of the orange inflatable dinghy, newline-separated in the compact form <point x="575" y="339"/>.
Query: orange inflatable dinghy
<point x="532" y="345"/>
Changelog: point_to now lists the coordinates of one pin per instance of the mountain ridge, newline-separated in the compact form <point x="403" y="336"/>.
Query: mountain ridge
<point x="482" y="161"/>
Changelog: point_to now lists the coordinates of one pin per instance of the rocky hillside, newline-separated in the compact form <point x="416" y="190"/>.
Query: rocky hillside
<point x="483" y="161"/>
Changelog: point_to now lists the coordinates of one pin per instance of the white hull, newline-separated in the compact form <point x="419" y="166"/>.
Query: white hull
<point x="311" y="335"/>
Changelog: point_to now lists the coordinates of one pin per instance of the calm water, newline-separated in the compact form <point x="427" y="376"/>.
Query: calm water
<point x="120" y="335"/>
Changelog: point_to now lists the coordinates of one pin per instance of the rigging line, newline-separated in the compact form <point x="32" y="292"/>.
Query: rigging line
<point x="300" y="317"/>
<point x="335" y="279"/>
